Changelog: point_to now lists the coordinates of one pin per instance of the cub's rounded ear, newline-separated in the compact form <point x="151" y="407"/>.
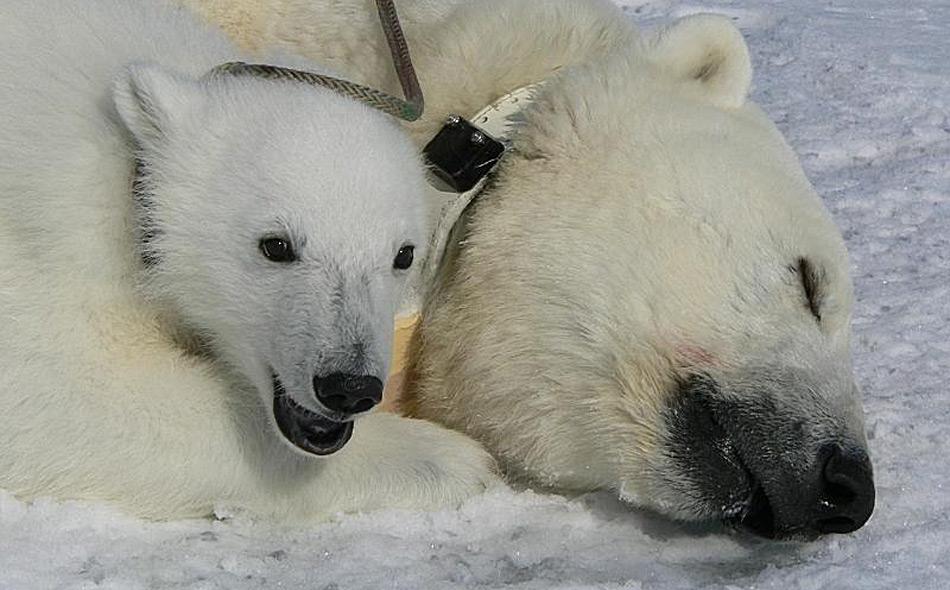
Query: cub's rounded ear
<point x="707" y="50"/>
<point x="152" y="101"/>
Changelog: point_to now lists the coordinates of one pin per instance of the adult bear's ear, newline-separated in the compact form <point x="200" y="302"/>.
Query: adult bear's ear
<point x="707" y="50"/>
<point x="152" y="101"/>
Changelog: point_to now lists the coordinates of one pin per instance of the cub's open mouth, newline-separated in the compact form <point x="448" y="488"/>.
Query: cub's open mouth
<point x="308" y="431"/>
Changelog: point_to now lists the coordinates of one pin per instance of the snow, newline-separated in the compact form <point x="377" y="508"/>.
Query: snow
<point x="862" y="90"/>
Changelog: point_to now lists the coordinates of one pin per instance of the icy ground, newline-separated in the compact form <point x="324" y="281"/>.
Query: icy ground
<point x="862" y="90"/>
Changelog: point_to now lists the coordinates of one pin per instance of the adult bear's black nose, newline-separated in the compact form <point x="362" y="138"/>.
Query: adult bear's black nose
<point x="846" y="496"/>
<point x="348" y="394"/>
<point x="835" y="496"/>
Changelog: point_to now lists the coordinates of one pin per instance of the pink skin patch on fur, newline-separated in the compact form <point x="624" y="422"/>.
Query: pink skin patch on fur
<point x="694" y="356"/>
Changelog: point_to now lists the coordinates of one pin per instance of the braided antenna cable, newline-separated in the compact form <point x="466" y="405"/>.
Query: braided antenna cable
<point x="402" y="61"/>
<point x="409" y="109"/>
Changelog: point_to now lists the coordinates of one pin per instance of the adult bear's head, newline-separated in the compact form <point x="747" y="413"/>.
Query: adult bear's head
<point x="651" y="298"/>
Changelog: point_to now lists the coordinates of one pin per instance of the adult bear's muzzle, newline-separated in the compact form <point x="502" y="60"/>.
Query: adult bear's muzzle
<point x="755" y="463"/>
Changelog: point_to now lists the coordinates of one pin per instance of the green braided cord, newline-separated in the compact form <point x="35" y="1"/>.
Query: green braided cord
<point x="370" y="96"/>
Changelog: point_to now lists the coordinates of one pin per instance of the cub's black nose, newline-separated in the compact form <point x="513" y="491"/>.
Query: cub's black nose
<point x="846" y="496"/>
<point x="348" y="394"/>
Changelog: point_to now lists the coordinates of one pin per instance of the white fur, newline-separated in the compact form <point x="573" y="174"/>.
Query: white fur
<point x="708" y="52"/>
<point x="150" y="387"/>
<point x="646" y="228"/>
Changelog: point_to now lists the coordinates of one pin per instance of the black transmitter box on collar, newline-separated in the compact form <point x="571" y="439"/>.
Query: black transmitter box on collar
<point x="461" y="154"/>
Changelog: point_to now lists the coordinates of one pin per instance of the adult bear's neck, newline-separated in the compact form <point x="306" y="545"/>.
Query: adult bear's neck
<point x="468" y="53"/>
<point x="485" y="49"/>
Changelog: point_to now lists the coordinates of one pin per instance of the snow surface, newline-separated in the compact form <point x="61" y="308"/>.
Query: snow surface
<point x="860" y="87"/>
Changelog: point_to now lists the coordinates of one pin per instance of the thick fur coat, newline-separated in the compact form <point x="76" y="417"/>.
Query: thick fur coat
<point x="144" y="326"/>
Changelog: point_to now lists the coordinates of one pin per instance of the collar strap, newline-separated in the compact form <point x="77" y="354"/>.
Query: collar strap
<point x="496" y="119"/>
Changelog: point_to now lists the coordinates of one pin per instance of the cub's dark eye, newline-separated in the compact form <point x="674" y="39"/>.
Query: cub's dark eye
<point x="278" y="250"/>
<point x="404" y="258"/>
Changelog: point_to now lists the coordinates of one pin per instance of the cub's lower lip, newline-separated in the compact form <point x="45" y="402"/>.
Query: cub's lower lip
<point x="306" y="430"/>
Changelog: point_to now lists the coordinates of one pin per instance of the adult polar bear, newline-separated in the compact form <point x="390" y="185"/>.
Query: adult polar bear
<point x="275" y="218"/>
<point x="649" y="297"/>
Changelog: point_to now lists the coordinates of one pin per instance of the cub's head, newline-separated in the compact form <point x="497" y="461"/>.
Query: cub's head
<point x="656" y="301"/>
<point x="278" y="223"/>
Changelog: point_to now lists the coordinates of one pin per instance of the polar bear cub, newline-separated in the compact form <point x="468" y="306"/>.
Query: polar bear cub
<point x="198" y="275"/>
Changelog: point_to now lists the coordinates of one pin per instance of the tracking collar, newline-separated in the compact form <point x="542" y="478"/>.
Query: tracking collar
<point x="461" y="158"/>
<point x="463" y="153"/>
